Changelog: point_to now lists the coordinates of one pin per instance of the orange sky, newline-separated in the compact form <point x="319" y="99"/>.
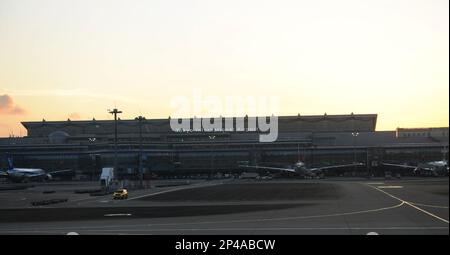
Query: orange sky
<point x="76" y="59"/>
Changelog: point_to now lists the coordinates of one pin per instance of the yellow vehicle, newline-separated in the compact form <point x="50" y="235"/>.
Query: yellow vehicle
<point x="120" y="194"/>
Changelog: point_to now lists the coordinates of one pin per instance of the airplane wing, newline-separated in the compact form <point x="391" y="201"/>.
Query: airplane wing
<point x="269" y="168"/>
<point x="335" y="166"/>
<point x="430" y="166"/>
<point x="398" y="165"/>
<point x="414" y="168"/>
<point x="60" y="171"/>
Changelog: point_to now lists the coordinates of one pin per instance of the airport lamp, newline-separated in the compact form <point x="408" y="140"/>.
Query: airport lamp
<point x="354" y="134"/>
<point x="141" y="174"/>
<point x="115" y="112"/>
<point x="212" y="137"/>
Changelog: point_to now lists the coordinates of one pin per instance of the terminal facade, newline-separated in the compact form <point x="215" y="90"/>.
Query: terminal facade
<point x="87" y="146"/>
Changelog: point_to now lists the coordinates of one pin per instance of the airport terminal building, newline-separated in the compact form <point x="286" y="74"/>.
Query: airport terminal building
<point x="87" y="146"/>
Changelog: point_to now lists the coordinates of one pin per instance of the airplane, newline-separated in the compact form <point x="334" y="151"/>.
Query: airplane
<point x="300" y="168"/>
<point x="27" y="174"/>
<point x="432" y="168"/>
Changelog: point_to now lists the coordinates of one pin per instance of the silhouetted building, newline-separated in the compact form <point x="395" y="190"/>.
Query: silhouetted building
<point x="317" y="140"/>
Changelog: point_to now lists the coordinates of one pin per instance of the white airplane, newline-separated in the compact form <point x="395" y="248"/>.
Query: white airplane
<point x="434" y="168"/>
<point x="27" y="174"/>
<point x="301" y="169"/>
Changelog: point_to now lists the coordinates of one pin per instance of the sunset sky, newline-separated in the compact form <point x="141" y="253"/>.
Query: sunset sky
<point x="75" y="59"/>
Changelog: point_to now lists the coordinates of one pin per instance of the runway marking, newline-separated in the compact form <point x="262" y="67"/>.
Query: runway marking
<point x="118" y="215"/>
<point x="156" y="193"/>
<point x="432" y="206"/>
<point x="390" y="187"/>
<point x="410" y="204"/>
<point x="433" y="215"/>
<point x="176" y="189"/>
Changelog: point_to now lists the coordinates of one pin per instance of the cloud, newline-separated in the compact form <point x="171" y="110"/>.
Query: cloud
<point x="7" y="106"/>
<point x="74" y="116"/>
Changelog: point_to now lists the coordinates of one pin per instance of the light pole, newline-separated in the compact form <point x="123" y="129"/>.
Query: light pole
<point x="354" y="134"/>
<point x="92" y="140"/>
<point x="115" y="112"/>
<point x="211" y="138"/>
<point x="312" y="148"/>
<point x="367" y="162"/>
<point x="140" y="119"/>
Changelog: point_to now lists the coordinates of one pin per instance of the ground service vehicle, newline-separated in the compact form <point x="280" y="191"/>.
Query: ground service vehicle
<point x="120" y="194"/>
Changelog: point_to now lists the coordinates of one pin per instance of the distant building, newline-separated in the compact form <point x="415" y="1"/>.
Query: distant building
<point x="159" y="129"/>
<point x="317" y="140"/>
<point x="438" y="133"/>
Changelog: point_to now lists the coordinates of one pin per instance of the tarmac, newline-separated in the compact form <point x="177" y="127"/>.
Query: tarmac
<point x="344" y="206"/>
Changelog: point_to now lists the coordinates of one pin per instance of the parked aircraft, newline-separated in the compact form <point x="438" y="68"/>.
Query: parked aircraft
<point x="27" y="174"/>
<point x="301" y="169"/>
<point x="432" y="168"/>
